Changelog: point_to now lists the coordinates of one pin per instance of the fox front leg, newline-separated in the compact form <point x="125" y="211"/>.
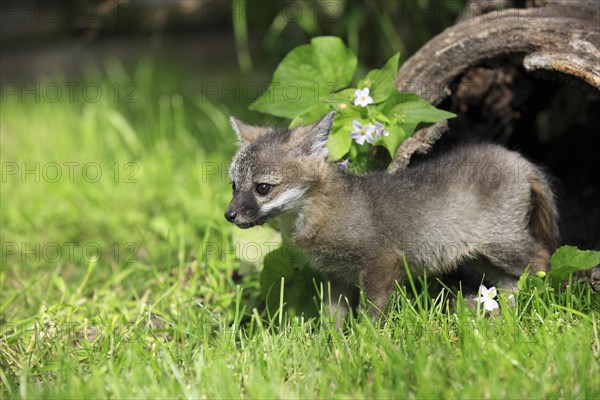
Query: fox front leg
<point x="338" y="300"/>
<point x="378" y="283"/>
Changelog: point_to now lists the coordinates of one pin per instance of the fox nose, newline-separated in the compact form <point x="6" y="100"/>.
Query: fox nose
<point x="230" y="215"/>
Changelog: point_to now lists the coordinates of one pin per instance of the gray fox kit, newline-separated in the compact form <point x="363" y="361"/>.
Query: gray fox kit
<point x="479" y="205"/>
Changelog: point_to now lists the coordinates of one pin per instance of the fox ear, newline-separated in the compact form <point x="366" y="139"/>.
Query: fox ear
<point x="246" y="133"/>
<point x="314" y="137"/>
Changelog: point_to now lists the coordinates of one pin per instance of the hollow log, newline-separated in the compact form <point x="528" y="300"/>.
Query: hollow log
<point x="525" y="74"/>
<point x="561" y="37"/>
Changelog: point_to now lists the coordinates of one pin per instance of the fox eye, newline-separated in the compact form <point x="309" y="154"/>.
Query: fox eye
<point x="263" y="188"/>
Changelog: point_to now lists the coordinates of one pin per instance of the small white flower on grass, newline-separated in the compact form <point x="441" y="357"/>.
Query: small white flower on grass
<point x="379" y="131"/>
<point x="511" y="299"/>
<point x="362" y="97"/>
<point x="487" y="298"/>
<point x="362" y="133"/>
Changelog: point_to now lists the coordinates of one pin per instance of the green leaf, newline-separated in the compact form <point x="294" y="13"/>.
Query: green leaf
<point x="359" y="161"/>
<point x="529" y="283"/>
<point x="381" y="81"/>
<point x="535" y="283"/>
<point x="314" y="114"/>
<point x="522" y="283"/>
<point x="300" y="295"/>
<point x="339" y="140"/>
<point x="394" y="139"/>
<point x="411" y="110"/>
<point x="339" y="143"/>
<point x="569" y="259"/>
<point x="289" y="263"/>
<point x="281" y="262"/>
<point x="336" y="61"/>
<point x="306" y="76"/>
<point x="345" y="97"/>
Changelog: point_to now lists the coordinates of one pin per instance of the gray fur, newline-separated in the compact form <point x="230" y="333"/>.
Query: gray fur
<point x="476" y="202"/>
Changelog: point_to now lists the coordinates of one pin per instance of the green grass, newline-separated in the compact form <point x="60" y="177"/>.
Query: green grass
<point x="162" y="314"/>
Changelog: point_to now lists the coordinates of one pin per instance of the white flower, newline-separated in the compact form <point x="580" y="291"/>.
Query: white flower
<point x="487" y="298"/>
<point x="362" y="97"/>
<point x="362" y="133"/>
<point x="379" y="131"/>
<point x="511" y="299"/>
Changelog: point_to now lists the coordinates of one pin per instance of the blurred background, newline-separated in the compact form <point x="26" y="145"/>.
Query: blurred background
<point x="205" y="46"/>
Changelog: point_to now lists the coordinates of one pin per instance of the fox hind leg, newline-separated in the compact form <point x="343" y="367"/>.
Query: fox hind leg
<point x="510" y="259"/>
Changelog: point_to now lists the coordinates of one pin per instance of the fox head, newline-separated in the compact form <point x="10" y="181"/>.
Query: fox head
<point x="273" y="169"/>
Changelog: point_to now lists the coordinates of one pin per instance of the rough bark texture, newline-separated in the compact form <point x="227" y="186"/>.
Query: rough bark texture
<point x="528" y="78"/>
<point x="419" y="143"/>
<point x="557" y="38"/>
